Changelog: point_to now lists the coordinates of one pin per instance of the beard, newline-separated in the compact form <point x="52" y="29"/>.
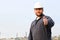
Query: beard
<point x="40" y="15"/>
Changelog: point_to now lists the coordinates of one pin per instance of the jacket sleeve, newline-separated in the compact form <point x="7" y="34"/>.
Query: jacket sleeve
<point x="50" y="22"/>
<point x="30" y="36"/>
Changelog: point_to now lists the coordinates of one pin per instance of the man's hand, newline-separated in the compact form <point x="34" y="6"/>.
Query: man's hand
<point x="45" y="20"/>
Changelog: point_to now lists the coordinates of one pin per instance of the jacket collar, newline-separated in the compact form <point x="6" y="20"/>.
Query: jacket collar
<point x="37" y="18"/>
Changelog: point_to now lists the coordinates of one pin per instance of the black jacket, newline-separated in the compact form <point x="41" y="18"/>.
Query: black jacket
<point x="39" y="31"/>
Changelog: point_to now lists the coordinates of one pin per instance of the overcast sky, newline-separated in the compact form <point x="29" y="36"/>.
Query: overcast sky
<point x="16" y="16"/>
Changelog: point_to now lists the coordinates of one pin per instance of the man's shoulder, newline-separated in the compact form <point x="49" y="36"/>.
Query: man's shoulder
<point x="32" y="22"/>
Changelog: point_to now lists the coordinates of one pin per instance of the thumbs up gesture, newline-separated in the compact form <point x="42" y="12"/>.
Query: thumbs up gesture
<point x="45" y="20"/>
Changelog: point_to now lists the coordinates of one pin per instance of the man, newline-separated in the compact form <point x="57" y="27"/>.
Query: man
<point x="41" y="26"/>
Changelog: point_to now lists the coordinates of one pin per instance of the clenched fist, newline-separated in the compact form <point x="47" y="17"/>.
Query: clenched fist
<point x="45" y="20"/>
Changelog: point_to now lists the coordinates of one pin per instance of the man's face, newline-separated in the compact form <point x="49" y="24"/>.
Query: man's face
<point x="38" y="11"/>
